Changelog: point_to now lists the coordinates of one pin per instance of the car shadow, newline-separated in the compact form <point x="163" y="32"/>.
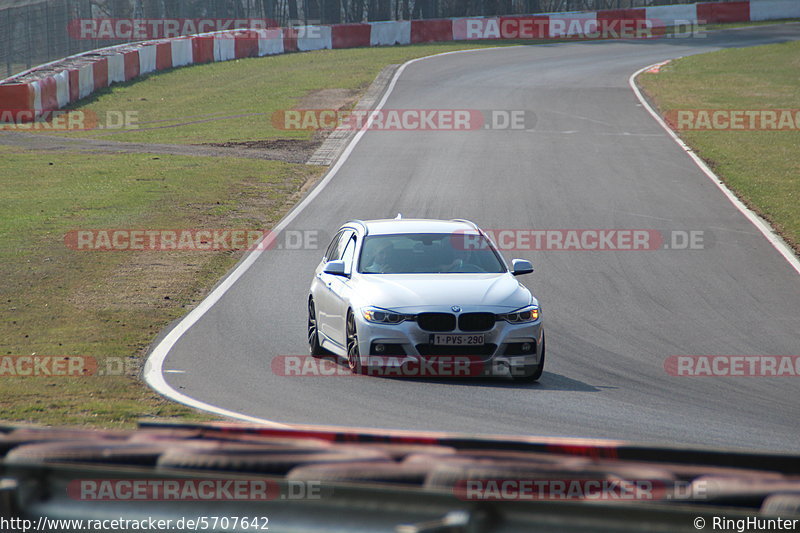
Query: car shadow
<point x="549" y="381"/>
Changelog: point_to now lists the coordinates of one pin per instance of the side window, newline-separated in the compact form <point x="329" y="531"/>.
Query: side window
<point x="347" y="255"/>
<point x="331" y="251"/>
<point x="332" y="247"/>
<point x="344" y="239"/>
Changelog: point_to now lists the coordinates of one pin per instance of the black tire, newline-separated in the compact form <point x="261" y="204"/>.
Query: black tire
<point x="399" y="451"/>
<point x="353" y="353"/>
<point x="22" y="436"/>
<point x="263" y="459"/>
<point x="363" y="472"/>
<point x="94" y="451"/>
<point x="313" y="331"/>
<point x="781" y="504"/>
<point x="532" y="373"/>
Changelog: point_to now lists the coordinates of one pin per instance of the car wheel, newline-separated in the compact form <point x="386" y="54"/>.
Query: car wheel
<point x="313" y="333"/>
<point x="353" y="355"/>
<point x="534" y="372"/>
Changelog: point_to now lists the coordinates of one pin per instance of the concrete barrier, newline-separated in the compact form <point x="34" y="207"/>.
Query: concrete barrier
<point x="314" y="38"/>
<point x="181" y="52"/>
<point x="116" y="68"/>
<point x="86" y="80"/>
<point x="774" y="9"/>
<point x="720" y="12"/>
<point x="147" y="59"/>
<point x="62" y="88"/>
<point x="351" y="35"/>
<point x="678" y="14"/>
<point x="270" y="42"/>
<point x="428" y="31"/>
<point x="390" y="33"/>
<point x="100" y="73"/>
<point x="224" y="47"/>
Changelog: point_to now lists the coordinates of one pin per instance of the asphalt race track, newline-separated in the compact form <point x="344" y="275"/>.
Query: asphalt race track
<point x="595" y="159"/>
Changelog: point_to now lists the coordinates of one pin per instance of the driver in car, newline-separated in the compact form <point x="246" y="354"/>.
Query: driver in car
<point x="461" y="258"/>
<point x="380" y="261"/>
<point x="462" y="254"/>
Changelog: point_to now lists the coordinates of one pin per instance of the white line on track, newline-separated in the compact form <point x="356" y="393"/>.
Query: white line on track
<point x="762" y="225"/>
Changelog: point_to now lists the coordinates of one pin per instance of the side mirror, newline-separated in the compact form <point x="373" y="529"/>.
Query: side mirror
<point x="519" y="267"/>
<point x="335" y="268"/>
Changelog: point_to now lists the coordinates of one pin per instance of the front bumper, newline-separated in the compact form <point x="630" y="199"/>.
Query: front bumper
<point x="509" y="349"/>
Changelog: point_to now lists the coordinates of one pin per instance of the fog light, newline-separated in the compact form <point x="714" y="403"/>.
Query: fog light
<point x="379" y="348"/>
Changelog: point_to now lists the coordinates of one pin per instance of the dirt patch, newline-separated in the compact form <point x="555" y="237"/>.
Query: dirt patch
<point x="329" y="99"/>
<point x="288" y="150"/>
<point x="146" y="281"/>
<point x="298" y="150"/>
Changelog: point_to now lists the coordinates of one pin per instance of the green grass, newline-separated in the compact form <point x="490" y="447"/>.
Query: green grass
<point x="731" y="25"/>
<point x="59" y="301"/>
<point x="761" y="167"/>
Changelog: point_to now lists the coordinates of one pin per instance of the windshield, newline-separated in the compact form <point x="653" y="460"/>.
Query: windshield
<point x="428" y="253"/>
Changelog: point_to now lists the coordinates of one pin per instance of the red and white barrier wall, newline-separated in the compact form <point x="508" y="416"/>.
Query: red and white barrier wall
<point x="55" y="85"/>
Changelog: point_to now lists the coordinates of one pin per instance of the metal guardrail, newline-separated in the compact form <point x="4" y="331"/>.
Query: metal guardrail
<point x="33" y="32"/>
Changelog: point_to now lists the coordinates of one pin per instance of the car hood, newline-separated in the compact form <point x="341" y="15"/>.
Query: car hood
<point x="408" y="292"/>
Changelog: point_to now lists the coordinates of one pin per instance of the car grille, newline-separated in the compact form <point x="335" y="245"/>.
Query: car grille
<point x="436" y="321"/>
<point x="476" y="321"/>
<point x="430" y="349"/>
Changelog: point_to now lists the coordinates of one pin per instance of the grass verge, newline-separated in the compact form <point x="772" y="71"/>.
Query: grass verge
<point x="60" y="301"/>
<point x="761" y="167"/>
<point x="732" y="25"/>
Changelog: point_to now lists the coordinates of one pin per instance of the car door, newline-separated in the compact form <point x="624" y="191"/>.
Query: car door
<point x="340" y="289"/>
<point x="324" y="298"/>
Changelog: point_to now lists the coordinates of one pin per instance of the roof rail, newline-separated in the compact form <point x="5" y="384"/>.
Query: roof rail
<point x="465" y="221"/>
<point x="360" y="223"/>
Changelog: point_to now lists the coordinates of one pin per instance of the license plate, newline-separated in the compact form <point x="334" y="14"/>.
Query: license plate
<point x="458" y="340"/>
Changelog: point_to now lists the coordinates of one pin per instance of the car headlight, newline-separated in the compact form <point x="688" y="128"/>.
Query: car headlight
<point x="526" y="314"/>
<point x="381" y="316"/>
